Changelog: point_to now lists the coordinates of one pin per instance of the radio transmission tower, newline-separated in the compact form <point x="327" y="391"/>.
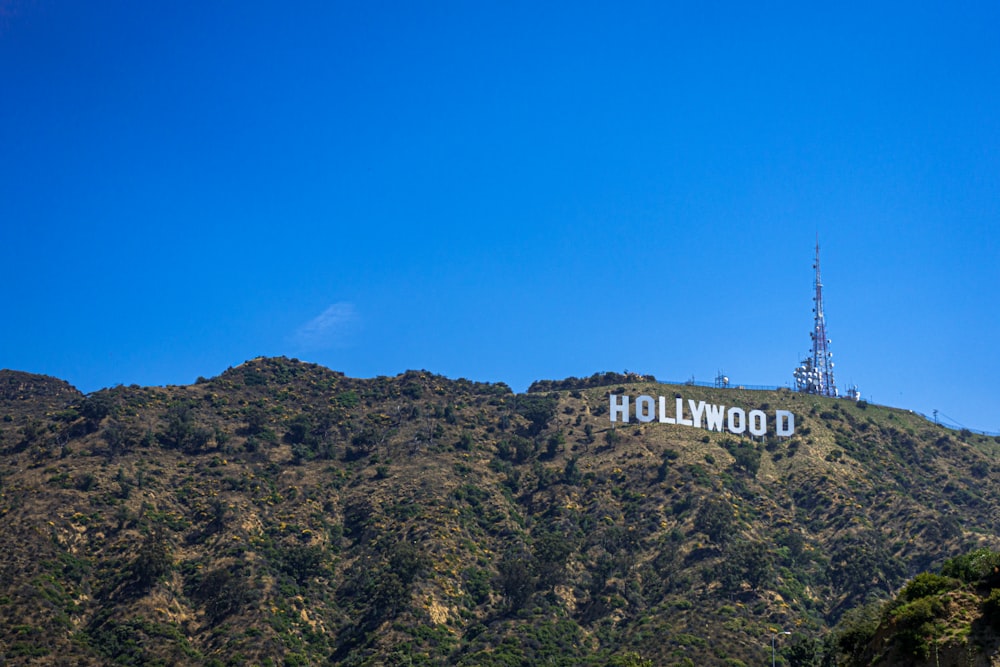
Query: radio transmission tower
<point x="815" y="374"/>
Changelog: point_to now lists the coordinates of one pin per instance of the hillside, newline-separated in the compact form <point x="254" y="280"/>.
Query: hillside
<point x="282" y="513"/>
<point x="947" y="618"/>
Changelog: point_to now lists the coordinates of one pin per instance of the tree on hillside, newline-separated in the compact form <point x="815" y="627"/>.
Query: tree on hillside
<point x="715" y="519"/>
<point x="537" y="409"/>
<point x="629" y="659"/>
<point x="745" y="561"/>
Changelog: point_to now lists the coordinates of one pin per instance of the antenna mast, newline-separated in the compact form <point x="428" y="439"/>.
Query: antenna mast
<point x="815" y="375"/>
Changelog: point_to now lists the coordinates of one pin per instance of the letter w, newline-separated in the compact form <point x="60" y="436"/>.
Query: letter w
<point x="713" y="416"/>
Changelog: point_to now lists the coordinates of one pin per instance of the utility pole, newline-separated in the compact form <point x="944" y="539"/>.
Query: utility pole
<point x="783" y="632"/>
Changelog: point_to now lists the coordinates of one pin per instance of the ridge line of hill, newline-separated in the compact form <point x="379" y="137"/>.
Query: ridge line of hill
<point x="284" y="513"/>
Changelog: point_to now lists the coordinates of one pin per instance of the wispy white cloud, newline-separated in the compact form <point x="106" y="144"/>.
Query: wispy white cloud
<point x="331" y="328"/>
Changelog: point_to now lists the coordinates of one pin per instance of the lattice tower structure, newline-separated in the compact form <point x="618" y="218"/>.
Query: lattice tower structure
<point x="822" y="357"/>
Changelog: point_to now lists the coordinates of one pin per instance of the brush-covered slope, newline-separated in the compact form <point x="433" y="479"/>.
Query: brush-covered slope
<point x="946" y="619"/>
<point x="285" y="514"/>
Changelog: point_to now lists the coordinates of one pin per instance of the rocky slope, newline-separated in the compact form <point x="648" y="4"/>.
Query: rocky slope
<point x="285" y="514"/>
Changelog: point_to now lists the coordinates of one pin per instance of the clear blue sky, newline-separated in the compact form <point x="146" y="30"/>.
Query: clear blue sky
<point x="504" y="191"/>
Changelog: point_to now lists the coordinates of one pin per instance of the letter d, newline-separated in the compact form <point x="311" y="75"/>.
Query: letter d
<point x="784" y="423"/>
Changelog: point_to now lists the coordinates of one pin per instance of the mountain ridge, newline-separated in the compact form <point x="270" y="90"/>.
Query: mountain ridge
<point x="285" y="512"/>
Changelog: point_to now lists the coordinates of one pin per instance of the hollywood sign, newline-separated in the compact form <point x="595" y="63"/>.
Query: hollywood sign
<point x="714" y="417"/>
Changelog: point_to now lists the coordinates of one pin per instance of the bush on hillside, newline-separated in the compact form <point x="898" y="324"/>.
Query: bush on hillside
<point x="991" y="609"/>
<point x="981" y="566"/>
<point x="926" y="584"/>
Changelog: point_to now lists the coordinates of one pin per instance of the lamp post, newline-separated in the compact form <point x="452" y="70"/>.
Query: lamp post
<point x="783" y="632"/>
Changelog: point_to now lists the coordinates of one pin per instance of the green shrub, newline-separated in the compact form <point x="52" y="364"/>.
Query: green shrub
<point x="915" y="624"/>
<point x="85" y="482"/>
<point x="223" y="592"/>
<point x="153" y="562"/>
<point x="744" y="561"/>
<point x="629" y="659"/>
<point x="95" y="408"/>
<point x="926" y="584"/>
<point x="538" y="409"/>
<point x="715" y="519"/>
<point x="991" y="609"/>
<point x="979" y="566"/>
<point x="477" y="584"/>
<point x="856" y="629"/>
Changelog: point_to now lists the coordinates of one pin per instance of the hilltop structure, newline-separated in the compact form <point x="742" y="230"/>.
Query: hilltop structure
<point x="815" y="374"/>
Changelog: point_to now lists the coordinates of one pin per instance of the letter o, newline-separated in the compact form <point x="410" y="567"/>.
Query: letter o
<point x="645" y="409"/>
<point x="758" y="422"/>
<point x="737" y="420"/>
